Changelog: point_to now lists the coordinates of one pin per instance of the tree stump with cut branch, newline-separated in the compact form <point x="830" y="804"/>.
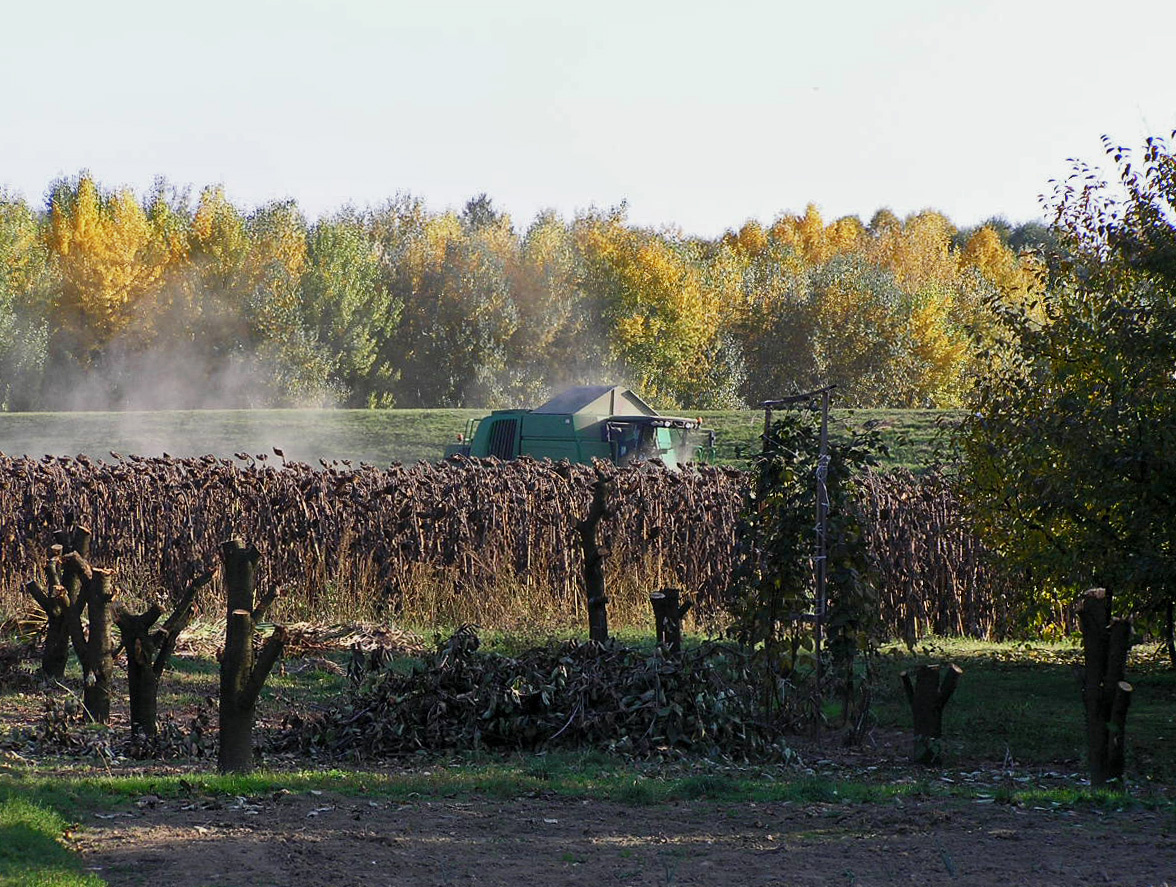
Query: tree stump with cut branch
<point x="58" y="609"/>
<point x="61" y="600"/>
<point x="98" y="657"/>
<point x="242" y="673"/>
<point x="1106" y="695"/>
<point x="594" y="556"/>
<point x="928" y="695"/>
<point x="148" y="652"/>
<point x="667" y="616"/>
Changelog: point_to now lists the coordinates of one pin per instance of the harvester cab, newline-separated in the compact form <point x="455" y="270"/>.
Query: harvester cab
<point x="585" y="423"/>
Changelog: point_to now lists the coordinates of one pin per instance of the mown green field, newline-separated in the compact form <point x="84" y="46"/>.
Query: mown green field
<point x="375" y="436"/>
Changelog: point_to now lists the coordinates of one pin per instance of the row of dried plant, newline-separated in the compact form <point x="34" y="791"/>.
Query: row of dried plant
<point x="465" y="539"/>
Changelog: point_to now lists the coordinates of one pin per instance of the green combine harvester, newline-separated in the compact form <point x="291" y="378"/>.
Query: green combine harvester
<point x="585" y="423"/>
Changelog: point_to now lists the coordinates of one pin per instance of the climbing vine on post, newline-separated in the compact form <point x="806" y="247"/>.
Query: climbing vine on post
<point x="774" y="596"/>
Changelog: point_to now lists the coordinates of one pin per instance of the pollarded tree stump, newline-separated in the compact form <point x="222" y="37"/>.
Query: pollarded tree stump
<point x="242" y="671"/>
<point x="98" y="659"/>
<point x="1106" y="694"/>
<point x="149" y="651"/>
<point x="667" y="616"/>
<point x="928" y="695"/>
<point x="594" y="557"/>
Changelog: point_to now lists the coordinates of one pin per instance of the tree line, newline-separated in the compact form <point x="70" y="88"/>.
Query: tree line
<point x="113" y="300"/>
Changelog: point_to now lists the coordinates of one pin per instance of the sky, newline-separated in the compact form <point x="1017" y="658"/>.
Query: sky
<point x="698" y="116"/>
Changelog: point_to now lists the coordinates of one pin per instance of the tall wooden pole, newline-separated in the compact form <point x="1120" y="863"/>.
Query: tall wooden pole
<point x="822" y="548"/>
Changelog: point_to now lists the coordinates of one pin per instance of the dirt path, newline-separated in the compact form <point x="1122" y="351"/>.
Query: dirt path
<point x="314" y="840"/>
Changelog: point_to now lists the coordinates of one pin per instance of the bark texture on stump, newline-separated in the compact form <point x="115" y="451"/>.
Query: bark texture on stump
<point x="1106" y="694"/>
<point x="98" y="661"/>
<point x="928" y="695"/>
<point x="148" y="652"/>
<point x="72" y="587"/>
<point x="594" y="556"/>
<point x="242" y="674"/>
<point x="667" y="616"/>
<point x="58" y="609"/>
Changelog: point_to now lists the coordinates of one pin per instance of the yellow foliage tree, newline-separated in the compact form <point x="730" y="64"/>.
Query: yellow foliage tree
<point x="1016" y="278"/>
<point x="113" y="256"/>
<point x="273" y="268"/>
<point x="936" y="353"/>
<point x="663" y="317"/>
<point x="918" y="252"/>
<point x="219" y="238"/>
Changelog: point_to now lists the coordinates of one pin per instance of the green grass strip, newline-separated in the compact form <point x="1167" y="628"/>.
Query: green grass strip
<point x="588" y="776"/>
<point x="31" y="851"/>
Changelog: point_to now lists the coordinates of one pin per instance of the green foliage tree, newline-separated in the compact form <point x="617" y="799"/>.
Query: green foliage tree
<point x="348" y="311"/>
<point x="296" y="371"/>
<point x="25" y="281"/>
<point x="1070" y="443"/>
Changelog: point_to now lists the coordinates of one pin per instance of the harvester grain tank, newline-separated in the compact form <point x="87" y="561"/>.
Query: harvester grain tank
<point x="585" y="423"/>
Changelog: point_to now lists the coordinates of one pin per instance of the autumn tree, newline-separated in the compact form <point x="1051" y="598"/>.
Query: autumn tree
<point x="558" y="341"/>
<point x="219" y="256"/>
<point x="112" y="255"/>
<point x="453" y="275"/>
<point x="295" y="371"/>
<point x="662" y="319"/>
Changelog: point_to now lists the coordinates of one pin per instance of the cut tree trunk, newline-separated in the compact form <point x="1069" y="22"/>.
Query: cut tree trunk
<point x="667" y="616"/>
<point x="1170" y="632"/>
<point x="594" y="556"/>
<point x="98" y="661"/>
<point x="1106" y="695"/>
<point x="928" y="695"/>
<point x="58" y="609"/>
<point x="142" y="681"/>
<point x="242" y="674"/>
<point x="148" y="653"/>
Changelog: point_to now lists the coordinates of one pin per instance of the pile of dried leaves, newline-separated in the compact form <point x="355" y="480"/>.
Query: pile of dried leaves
<point x="568" y="695"/>
<point x="64" y="729"/>
<point x="15" y="673"/>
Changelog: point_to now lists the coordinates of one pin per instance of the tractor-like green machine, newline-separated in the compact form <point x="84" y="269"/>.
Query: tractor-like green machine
<point x="585" y="423"/>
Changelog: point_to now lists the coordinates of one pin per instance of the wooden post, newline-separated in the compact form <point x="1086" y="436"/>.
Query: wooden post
<point x="1106" y="696"/>
<point x="928" y="695"/>
<point x="242" y="674"/>
<point x="667" y="617"/>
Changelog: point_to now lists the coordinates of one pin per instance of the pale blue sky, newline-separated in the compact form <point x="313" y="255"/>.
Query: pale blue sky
<point x="700" y="115"/>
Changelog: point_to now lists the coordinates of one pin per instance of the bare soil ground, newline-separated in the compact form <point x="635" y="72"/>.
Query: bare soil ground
<point x="318" y="839"/>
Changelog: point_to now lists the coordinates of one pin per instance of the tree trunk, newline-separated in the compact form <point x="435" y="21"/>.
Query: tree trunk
<point x="98" y="663"/>
<point x="241" y="674"/>
<point x="667" y="617"/>
<point x="148" y="653"/>
<point x="594" y="556"/>
<point x="1106" y="696"/>
<point x="1170" y="633"/>
<point x="75" y="575"/>
<point x="142" y="681"/>
<point x="928" y="695"/>
<point x="54" y="602"/>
